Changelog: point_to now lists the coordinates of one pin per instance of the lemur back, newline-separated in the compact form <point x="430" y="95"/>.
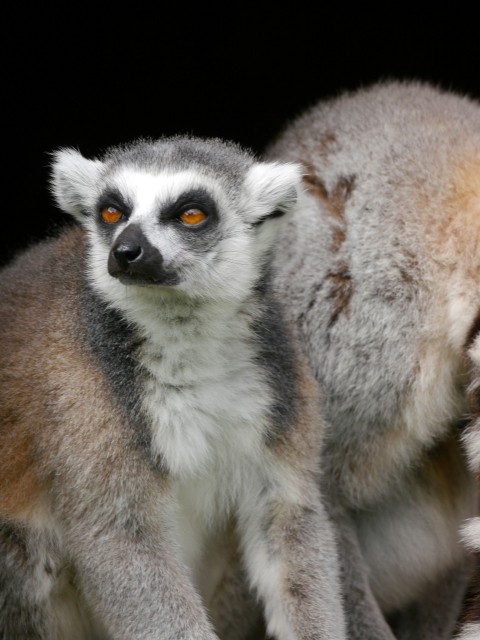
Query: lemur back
<point x="160" y="430"/>
<point x="380" y="272"/>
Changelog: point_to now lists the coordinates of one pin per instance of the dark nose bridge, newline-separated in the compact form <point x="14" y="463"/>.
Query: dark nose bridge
<point x="130" y="246"/>
<point x="133" y="254"/>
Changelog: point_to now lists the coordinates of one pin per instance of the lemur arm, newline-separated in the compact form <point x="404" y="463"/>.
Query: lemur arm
<point x="291" y="560"/>
<point x="118" y="522"/>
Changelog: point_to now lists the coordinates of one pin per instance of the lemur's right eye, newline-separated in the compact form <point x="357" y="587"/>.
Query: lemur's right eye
<point x="192" y="217"/>
<point x="110" y="215"/>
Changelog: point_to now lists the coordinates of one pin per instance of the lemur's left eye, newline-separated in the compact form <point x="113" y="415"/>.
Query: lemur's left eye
<point x="110" y="214"/>
<point x="191" y="217"/>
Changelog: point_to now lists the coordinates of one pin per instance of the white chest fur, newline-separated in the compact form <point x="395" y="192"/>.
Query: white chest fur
<point x="207" y="400"/>
<point x="206" y="397"/>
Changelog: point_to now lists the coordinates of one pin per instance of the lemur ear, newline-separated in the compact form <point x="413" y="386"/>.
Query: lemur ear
<point x="73" y="181"/>
<point x="273" y="189"/>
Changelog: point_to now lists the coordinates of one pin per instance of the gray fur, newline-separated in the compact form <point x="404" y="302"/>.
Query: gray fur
<point x="210" y="156"/>
<point x="384" y="286"/>
<point x="152" y="466"/>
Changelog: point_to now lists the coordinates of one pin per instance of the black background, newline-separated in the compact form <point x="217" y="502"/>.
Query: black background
<point x="90" y="78"/>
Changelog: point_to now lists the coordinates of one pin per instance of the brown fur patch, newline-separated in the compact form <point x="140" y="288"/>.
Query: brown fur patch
<point x="326" y="144"/>
<point x="20" y="487"/>
<point x="300" y="446"/>
<point x="466" y="188"/>
<point x="338" y="238"/>
<point x="459" y="230"/>
<point x="314" y="185"/>
<point x="340" y="291"/>
<point x="445" y="471"/>
<point x="334" y="202"/>
<point x="407" y="273"/>
<point x="293" y="530"/>
<point x="56" y="421"/>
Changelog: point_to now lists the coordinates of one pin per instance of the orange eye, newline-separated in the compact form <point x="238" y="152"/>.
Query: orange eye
<point x="110" y="215"/>
<point x="191" y="217"/>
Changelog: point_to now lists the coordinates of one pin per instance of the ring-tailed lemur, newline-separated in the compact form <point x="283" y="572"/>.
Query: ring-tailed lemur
<point x="160" y="430"/>
<point x="471" y="530"/>
<point x="381" y="274"/>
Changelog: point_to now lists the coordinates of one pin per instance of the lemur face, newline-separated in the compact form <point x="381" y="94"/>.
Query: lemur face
<point x="164" y="229"/>
<point x="185" y="215"/>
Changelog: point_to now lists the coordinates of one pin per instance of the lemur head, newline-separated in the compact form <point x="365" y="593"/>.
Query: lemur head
<point x="185" y="215"/>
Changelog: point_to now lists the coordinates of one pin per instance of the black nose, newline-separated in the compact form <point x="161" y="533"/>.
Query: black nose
<point x="125" y="253"/>
<point x="134" y="260"/>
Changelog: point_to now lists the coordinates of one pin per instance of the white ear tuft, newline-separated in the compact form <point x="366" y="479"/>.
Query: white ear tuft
<point x="73" y="180"/>
<point x="272" y="187"/>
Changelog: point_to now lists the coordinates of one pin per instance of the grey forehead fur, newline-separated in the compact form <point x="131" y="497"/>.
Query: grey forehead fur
<point x="210" y="156"/>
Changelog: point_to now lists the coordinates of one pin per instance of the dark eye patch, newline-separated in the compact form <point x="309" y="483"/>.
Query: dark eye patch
<point x="111" y="198"/>
<point x="193" y="199"/>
